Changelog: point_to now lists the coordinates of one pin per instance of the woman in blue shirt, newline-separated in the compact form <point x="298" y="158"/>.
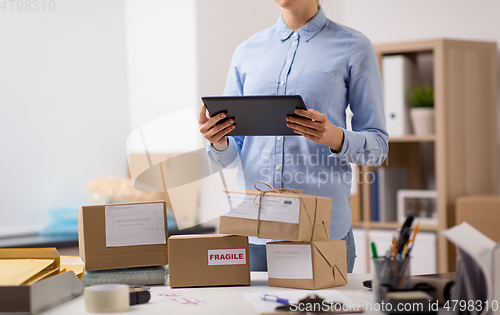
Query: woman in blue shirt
<point x="331" y="66"/>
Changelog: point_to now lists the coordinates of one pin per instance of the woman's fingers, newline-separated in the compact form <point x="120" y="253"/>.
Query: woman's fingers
<point x="312" y="114"/>
<point x="306" y="135"/>
<point x="217" y="128"/>
<point x="305" y="122"/>
<point x="222" y="134"/>
<point x="203" y="115"/>
<point x="306" y="130"/>
<point x="317" y="131"/>
<point x="205" y="127"/>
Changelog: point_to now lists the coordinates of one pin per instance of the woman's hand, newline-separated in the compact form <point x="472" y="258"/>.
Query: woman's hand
<point x="316" y="127"/>
<point x="215" y="134"/>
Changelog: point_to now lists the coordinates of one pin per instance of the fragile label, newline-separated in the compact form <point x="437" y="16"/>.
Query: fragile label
<point x="137" y="224"/>
<point x="272" y="208"/>
<point x="289" y="261"/>
<point x="232" y="256"/>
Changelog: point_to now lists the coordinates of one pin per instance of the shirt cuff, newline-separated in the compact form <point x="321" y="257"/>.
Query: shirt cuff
<point x="218" y="151"/>
<point x="226" y="157"/>
<point x="349" y="146"/>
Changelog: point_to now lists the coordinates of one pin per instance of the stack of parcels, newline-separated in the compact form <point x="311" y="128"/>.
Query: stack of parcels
<point x="307" y="259"/>
<point x="33" y="280"/>
<point x="124" y="243"/>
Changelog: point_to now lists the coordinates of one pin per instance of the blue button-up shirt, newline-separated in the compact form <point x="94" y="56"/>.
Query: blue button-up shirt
<point x="330" y="66"/>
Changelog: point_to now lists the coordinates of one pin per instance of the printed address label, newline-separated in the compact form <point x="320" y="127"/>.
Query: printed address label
<point x="232" y="256"/>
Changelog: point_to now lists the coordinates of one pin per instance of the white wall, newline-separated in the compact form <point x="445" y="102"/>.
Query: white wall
<point x="160" y="60"/>
<point x="222" y="26"/>
<point x="62" y="106"/>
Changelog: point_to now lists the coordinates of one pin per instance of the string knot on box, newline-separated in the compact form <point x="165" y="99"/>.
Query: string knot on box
<point x="274" y="190"/>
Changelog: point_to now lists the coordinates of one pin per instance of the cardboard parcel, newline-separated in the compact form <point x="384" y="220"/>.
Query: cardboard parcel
<point x="123" y="235"/>
<point x="208" y="260"/>
<point x="280" y="214"/>
<point x="307" y="265"/>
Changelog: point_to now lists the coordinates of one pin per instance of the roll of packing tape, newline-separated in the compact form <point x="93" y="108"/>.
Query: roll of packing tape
<point x="107" y="298"/>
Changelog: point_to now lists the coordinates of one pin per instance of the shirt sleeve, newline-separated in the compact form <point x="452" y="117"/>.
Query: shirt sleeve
<point x="367" y="144"/>
<point x="234" y="87"/>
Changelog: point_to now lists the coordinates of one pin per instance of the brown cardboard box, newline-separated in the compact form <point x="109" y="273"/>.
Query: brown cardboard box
<point x="307" y="265"/>
<point x="482" y="212"/>
<point x="133" y="224"/>
<point x="208" y="260"/>
<point x="312" y="213"/>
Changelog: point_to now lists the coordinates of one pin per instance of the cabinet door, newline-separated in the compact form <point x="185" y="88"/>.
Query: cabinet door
<point x="361" y="251"/>
<point x="423" y="255"/>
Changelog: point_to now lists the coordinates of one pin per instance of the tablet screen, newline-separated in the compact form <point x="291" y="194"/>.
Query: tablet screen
<point x="256" y="115"/>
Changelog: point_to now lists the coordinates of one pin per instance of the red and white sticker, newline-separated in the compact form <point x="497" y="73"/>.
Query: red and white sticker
<point x="229" y="256"/>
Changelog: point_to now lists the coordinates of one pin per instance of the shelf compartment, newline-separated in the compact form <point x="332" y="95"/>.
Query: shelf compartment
<point x="413" y="138"/>
<point x="395" y="225"/>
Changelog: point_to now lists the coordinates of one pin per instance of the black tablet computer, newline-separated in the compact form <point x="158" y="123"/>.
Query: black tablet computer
<point x="256" y="115"/>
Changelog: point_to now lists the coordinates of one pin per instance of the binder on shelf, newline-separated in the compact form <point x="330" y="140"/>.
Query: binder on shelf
<point x="390" y="180"/>
<point x="399" y="74"/>
<point x="374" y="198"/>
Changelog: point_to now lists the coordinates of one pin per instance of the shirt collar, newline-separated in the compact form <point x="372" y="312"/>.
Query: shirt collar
<point x="307" y="31"/>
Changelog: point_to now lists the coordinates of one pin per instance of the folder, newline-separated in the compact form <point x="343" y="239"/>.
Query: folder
<point x="399" y="75"/>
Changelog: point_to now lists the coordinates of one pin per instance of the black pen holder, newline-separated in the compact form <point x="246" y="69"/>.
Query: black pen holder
<point x="390" y="275"/>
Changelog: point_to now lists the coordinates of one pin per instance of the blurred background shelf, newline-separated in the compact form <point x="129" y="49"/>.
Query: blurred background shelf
<point x="459" y="159"/>
<point x="413" y="138"/>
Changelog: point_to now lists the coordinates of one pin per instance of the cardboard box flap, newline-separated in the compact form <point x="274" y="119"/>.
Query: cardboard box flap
<point x="329" y="250"/>
<point x="191" y="236"/>
<point x="320" y="221"/>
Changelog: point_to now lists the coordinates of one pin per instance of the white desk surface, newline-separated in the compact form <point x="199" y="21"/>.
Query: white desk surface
<point x="218" y="300"/>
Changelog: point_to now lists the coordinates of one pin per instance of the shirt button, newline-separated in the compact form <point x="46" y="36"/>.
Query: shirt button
<point x="294" y="34"/>
<point x="278" y="138"/>
<point x="282" y="82"/>
<point x="277" y="167"/>
<point x="288" y="61"/>
<point x="294" y="43"/>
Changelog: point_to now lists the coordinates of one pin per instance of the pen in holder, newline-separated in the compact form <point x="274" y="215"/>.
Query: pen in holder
<point x="390" y="274"/>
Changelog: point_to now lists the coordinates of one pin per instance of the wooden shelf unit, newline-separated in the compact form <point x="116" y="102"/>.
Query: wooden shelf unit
<point x="465" y="140"/>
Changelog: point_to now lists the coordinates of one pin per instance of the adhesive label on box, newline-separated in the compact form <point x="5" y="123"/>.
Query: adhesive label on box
<point x="278" y="209"/>
<point x="289" y="261"/>
<point x="229" y="256"/>
<point x="135" y="224"/>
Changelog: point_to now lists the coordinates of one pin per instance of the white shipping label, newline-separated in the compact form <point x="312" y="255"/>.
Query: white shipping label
<point x="289" y="261"/>
<point x="239" y="206"/>
<point x="278" y="209"/>
<point x="138" y="224"/>
<point x="232" y="256"/>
